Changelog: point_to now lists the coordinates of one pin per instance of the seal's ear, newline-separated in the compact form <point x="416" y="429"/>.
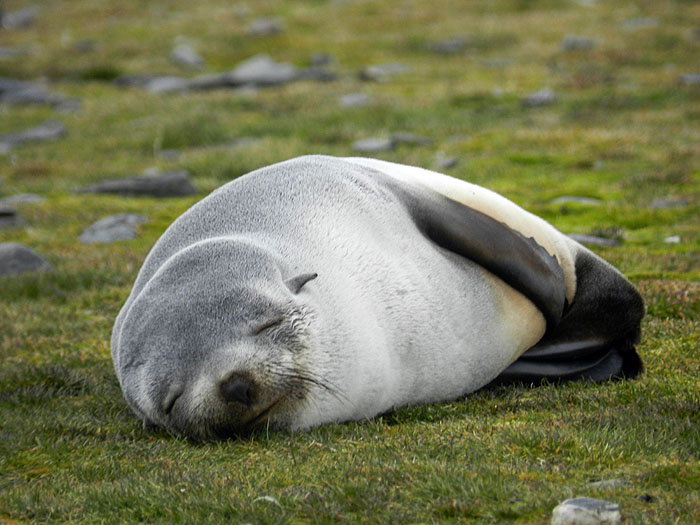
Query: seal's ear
<point x="297" y="282"/>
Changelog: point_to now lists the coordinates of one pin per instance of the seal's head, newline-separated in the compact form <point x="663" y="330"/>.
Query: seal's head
<point x="217" y="343"/>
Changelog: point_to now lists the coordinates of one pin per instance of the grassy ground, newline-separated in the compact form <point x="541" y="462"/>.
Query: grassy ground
<point x="624" y="130"/>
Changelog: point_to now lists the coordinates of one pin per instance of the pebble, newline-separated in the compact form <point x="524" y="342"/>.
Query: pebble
<point x="49" y="130"/>
<point x="353" y="100"/>
<point x="578" y="43"/>
<point x="322" y="59"/>
<point x="262" y="71"/>
<point x="22" y="198"/>
<point x="317" y="74"/>
<point x="586" y="511"/>
<point x="168" y="184"/>
<point x="641" y="23"/>
<point x="19" y="19"/>
<point x="265" y="27"/>
<point x="382" y="72"/>
<point x="13" y="91"/>
<point x="167" y="84"/>
<point x="608" y="483"/>
<point x="690" y="79"/>
<point x="593" y="240"/>
<point x="16" y="259"/>
<point x="410" y="138"/>
<point x="543" y="97"/>
<point x="8" y="52"/>
<point x="569" y="199"/>
<point x="121" y="227"/>
<point x="449" y="46"/>
<point x="668" y="203"/>
<point x="373" y="145"/>
<point x="186" y="57"/>
<point x="443" y="162"/>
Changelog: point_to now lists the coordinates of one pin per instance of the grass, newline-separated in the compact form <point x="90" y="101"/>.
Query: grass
<point x="623" y="131"/>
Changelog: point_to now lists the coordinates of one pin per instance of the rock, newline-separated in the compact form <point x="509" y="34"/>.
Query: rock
<point x="382" y="72"/>
<point x="19" y="19"/>
<point x="668" y="203"/>
<point x="578" y="43"/>
<point x="543" y="97"/>
<point x="608" y="483"/>
<point x="317" y="74"/>
<point x="137" y="80"/>
<point x="186" y="57"/>
<point x="690" y="79"/>
<point x="265" y="27"/>
<point x="353" y="100"/>
<point x="167" y="84"/>
<point x="586" y="511"/>
<point x="674" y="239"/>
<point x="16" y="259"/>
<point x="410" y="138"/>
<point x="568" y="199"/>
<point x="262" y="71"/>
<point x="119" y="227"/>
<point x="22" y="198"/>
<point x="9" y="217"/>
<point x="170" y="184"/>
<point x="322" y="59"/>
<point x="640" y="23"/>
<point x="443" y="162"/>
<point x="13" y="91"/>
<point x="49" y="130"/>
<point x="496" y="63"/>
<point x="593" y="240"/>
<point x="373" y="145"/>
<point x="450" y="46"/>
<point x="7" y="52"/>
<point x="169" y="154"/>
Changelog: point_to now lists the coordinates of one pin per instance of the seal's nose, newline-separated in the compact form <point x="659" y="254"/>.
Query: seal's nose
<point x="237" y="388"/>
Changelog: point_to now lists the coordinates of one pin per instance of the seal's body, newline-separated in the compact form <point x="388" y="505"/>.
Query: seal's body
<point x="325" y="289"/>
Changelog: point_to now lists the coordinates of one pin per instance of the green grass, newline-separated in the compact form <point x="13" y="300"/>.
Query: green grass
<point x="623" y="131"/>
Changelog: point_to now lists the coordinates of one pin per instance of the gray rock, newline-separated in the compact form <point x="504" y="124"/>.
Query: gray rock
<point x="669" y="203"/>
<point x="641" y="23"/>
<point x="382" y="72"/>
<point x="170" y="184"/>
<point x="140" y="80"/>
<point x="608" y="483"/>
<point x="167" y="84"/>
<point x="22" y="198"/>
<point x="121" y="227"/>
<point x="317" y="74"/>
<point x="373" y="145"/>
<point x="19" y="19"/>
<point x="186" y="57"/>
<point x="496" y="63"/>
<point x="322" y="59"/>
<point x="568" y="199"/>
<point x="8" y="52"/>
<point x="690" y="79"/>
<point x="13" y="91"/>
<point x="449" y="46"/>
<point x="543" y="97"/>
<point x="592" y="240"/>
<point x="586" y="511"/>
<point x="443" y="162"/>
<point x="578" y="43"/>
<point x="353" y="100"/>
<point x="49" y="130"/>
<point x="261" y="71"/>
<point x="410" y="138"/>
<point x="265" y="27"/>
<point x="9" y="217"/>
<point x="16" y="259"/>
<point x="169" y="154"/>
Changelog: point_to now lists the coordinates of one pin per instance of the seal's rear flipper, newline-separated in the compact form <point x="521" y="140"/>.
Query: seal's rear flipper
<point x="596" y="336"/>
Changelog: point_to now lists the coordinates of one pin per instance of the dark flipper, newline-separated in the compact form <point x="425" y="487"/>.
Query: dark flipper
<point x="519" y="261"/>
<point x="596" y="336"/>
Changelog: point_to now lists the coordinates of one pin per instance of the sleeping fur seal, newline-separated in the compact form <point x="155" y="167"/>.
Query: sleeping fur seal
<point x="324" y="289"/>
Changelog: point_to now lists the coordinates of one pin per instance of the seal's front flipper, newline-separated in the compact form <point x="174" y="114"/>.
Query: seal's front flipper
<point x="596" y="336"/>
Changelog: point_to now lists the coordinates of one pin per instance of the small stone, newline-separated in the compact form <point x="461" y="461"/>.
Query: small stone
<point x="496" y="63"/>
<point x="49" y="130"/>
<point x="373" y="145"/>
<point x="543" y="97"/>
<point x="261" y="70"/>
<point x="186" y="57"/>
<point x="7" y="52"/>
<point x="443" y="162"/>
<point x="410" y="138"/>
<point x="138" y="80"/>
<point x="317" y="74"/>
<point x="586" y="511"/>
<point x="569" y="199"/>
<point x="690" y="79"/>
<point x="9" y="217"/>
<point x="641" y="23"/>
<point x="593" y="240"/>
<point x="169" y="154"/>
<point x="16" y="259"/>
<point x="322" y="59"/>
<point x="353" y="100"/>
<point x="382" y="72"/>
<point x="449" y="46"/>
<point x="19" y="19"/>
<point x="673" y="239"/>
<point x="121" y="227"/>
<point x="169" y="184"/>
<point x="265" y="27"/>
<point x="167" y="84"/>
<point x="608" y="483"/>
<point x="22" y="198"/>
<point x="668" y="203"/>
<point x="578" y="43"/>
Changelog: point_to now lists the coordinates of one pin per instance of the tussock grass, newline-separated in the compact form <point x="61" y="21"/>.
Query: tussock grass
<point x="624" y="131"/>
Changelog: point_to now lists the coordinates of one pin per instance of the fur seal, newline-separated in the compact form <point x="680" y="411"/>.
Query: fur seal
<point x="327" y="289"/>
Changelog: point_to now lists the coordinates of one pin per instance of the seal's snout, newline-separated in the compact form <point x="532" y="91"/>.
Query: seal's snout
<point x="237" y="388"/>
